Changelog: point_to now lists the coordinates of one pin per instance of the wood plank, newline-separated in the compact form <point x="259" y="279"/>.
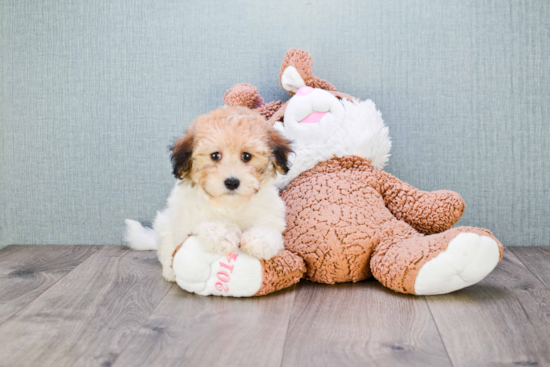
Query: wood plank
<point x="191" y="330"/>
<point x="503" y="320"/>
<point x="89" y="316"/>
<point x="27" y="271"/>
<point x="537" y="260"/>
<point x="361" y="324"/>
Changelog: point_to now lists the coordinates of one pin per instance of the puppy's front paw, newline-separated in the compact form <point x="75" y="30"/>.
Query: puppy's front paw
<point x="168" y="273"/>
<point x="262" y="242"/>
<point x="219" y="237"/>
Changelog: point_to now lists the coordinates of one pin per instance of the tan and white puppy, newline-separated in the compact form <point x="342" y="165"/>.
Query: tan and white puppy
<point x="225" y="164"/>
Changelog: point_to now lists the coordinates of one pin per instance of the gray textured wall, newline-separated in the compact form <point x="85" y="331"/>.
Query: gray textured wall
<point x="92" y="93"/>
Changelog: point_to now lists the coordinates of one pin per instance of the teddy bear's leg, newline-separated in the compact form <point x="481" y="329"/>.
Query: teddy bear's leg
<point x="436" y="264"/>
<point x="236" y="274"/>
<point x="206" y="273"/>
<point x="281" y="272"/>
<point x="471" y="254"/>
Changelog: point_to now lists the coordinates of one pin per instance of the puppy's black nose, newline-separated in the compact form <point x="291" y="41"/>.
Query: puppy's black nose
<point x="232" y="183"/>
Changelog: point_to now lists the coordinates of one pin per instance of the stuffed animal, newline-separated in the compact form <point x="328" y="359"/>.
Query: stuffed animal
<point x="347" y="218"/>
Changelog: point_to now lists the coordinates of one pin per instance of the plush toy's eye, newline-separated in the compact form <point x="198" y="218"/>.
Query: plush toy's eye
<point x="216" y="156"/>
<point x="246" y="157"/>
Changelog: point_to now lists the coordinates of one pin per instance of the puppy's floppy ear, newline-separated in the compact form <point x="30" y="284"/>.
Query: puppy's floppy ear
<point x="182" y="150"/>
<point x="280" y="149"/>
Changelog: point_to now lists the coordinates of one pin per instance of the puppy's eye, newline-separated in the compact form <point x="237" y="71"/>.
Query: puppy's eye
<point x="246" y="157"/>
<point x="216" y="156"/>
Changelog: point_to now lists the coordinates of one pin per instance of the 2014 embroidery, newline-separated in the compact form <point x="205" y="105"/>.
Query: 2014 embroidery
<point x="223" y="276"/>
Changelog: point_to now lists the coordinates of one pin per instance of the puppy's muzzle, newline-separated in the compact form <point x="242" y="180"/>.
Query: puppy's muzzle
<point x="232" y="183"/>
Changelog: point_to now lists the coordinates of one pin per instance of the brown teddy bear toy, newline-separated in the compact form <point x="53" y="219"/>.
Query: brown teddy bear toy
<point x="346" y="217"/>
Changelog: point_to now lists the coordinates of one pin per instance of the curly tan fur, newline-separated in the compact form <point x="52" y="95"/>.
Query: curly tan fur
<point x="267" y="110"/>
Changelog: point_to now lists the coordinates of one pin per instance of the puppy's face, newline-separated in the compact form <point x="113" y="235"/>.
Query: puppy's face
<point x="230" y="152"/>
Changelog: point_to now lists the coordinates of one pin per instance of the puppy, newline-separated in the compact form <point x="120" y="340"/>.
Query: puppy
<point x="225" y="166"/>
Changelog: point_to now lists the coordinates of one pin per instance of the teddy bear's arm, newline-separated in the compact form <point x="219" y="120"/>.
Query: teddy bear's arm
<point x="427" y="212"/>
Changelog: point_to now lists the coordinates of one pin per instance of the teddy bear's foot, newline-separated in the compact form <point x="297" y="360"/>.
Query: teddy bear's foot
<point x="236" y="274"/>
<point x="281" y="272"/>
<point x="233" y="275"/>
<point x="469" y="258"/>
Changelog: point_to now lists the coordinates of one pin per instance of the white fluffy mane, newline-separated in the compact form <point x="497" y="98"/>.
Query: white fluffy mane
<point x="363" y="133"/>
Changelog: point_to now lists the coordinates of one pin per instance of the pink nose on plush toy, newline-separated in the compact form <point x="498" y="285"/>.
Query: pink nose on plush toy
<point x="314" y="117"/>
<point x="304" y="91"/>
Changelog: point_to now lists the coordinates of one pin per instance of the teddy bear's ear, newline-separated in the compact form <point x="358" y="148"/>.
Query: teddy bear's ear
<point x="248" y="96"/>
<point x="301" y="64"/>
<point x="291" y="80"/>
<point x="243" y="95"/>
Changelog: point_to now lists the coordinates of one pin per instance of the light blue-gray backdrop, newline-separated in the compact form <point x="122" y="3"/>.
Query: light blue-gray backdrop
<point x="93" y="91"/>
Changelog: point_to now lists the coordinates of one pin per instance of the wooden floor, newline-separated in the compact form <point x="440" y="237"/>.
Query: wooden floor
<point x="108" y="306"/>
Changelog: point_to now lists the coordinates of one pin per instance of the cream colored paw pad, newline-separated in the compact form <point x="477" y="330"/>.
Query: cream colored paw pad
<point x="468" y="259"/>
<point x="197" y="271"/>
